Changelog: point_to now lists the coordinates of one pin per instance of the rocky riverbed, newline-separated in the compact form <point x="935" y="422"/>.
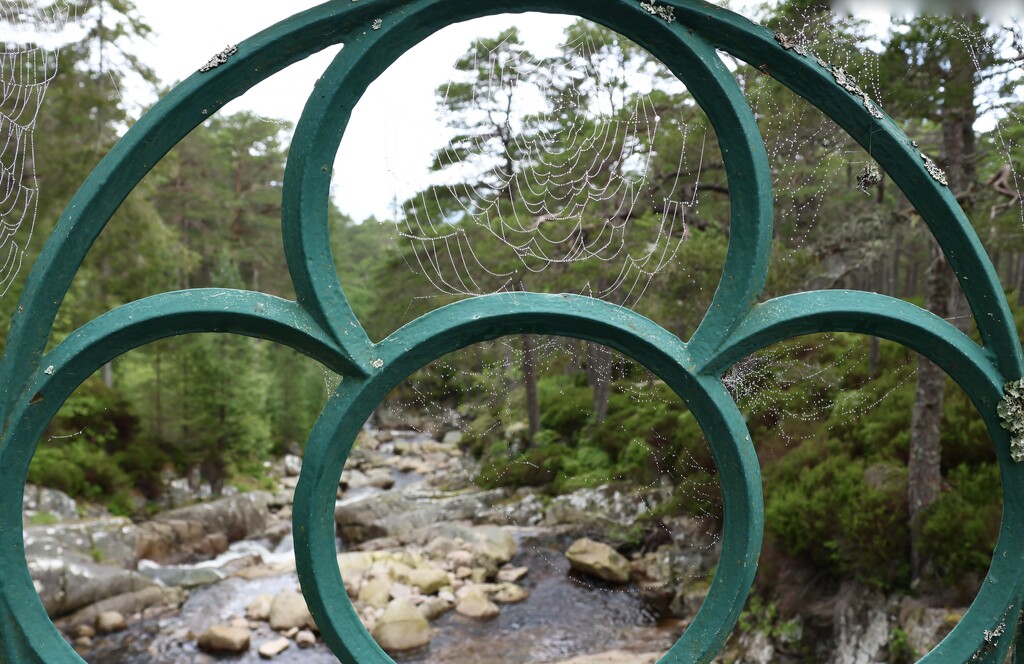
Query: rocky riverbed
<point x="437" y="570"/>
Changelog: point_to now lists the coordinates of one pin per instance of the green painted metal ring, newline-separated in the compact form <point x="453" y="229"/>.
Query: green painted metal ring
<point x="320" y="324"/>
<point x="483" y="318"/>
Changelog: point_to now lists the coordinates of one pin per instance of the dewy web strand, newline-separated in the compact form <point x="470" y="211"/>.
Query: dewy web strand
<point x="26" y="71"/>
<point x="572" y="200"/>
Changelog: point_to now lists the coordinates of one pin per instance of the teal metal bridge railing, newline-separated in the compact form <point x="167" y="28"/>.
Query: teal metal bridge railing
<point x="684" y="34"/>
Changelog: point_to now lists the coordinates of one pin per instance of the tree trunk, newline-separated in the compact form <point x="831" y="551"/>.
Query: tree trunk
<point x="894" y="276"/>
<point x="530" y="384"/>
<point x="924" y="472"/>
<point x="943" y="296"/>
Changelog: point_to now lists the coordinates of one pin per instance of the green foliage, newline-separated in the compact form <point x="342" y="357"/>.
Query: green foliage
<point x="565" y="404"/>
<point x="839" y="513"/>
<point x="79" y="469"/>
<point x="900" y="649"/>
<point x="960" y="529"/>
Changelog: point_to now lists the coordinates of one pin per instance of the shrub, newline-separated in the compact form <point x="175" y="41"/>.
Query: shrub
<point x="844" y="516"/>
<point x="961" y="528"/>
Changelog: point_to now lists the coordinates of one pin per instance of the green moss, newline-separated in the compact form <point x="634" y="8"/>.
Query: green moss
<point x="44" y="519"/>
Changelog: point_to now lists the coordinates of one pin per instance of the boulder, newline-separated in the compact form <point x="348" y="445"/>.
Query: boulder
<point x="475" y="604"/>
<point x="108" y="540"/>
<point x="67" y="585"/>
<point x="224" y="639"/>
<point x="598" y="559"/>
<point x="595" y="509"/>
<point x="126" y="604"/>
<point x="200" y="532"/>
<point x="401" y="627"/>
<point x="41" y="503"/>
<point x="408" y="515"/>
<point x="289" y="610"/>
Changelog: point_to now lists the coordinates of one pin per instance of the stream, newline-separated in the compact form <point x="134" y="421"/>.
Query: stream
<point x="565" y="615"/>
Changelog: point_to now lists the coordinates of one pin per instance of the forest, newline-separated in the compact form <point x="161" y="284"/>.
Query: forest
<point x="876" y="466"/>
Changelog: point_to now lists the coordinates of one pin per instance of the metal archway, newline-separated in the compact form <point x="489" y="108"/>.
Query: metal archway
<point x="684" y="34"/>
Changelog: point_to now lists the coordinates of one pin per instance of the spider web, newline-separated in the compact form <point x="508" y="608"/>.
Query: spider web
<point x="553" y="204"/>
<point x="543" y="234"/>
<point x="26" y="70"/>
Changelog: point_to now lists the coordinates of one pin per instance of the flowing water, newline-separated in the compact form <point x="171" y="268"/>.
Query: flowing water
<point x="564" y="616"/>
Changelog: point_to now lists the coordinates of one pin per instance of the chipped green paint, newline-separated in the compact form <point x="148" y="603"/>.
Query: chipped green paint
<point x="684" y="34"/>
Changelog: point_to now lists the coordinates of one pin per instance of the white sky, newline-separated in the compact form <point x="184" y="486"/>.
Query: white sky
<point x="394" y="129"/>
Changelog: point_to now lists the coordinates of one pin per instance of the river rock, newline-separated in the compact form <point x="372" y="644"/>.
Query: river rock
<point x="376" y="592"/>
<point x="459" y="558"/>
<point x="354" y="479"/>
<point x="925" y="625"/>
<point x="440" y="547"/>
<point x="292" y="465"/>
<point x="475" y="604"/>
<point x="434" y="607"/>
<point x="289" y="610"/>
<point x="492" y="542"/>
<point x="354" y="563"/>
<point x="400" y="591"/>
<point x="428" y="579"/>
<point x="224" y="639"/>
<point x="509" y="593"/>
<point x="305" y="638"/>
<point x="380" y="478"/>
<point x="274" y="648"/>
<point x="525" y="509"/>
<point x="259" y="608"/>
<point x="512" y="574"/>
<point x="110" y="621"/>
<point x="401" y="627"/>
<point x="598" y="559"/>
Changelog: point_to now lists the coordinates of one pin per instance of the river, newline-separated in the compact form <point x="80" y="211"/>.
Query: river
<point x="565" y="615"/>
